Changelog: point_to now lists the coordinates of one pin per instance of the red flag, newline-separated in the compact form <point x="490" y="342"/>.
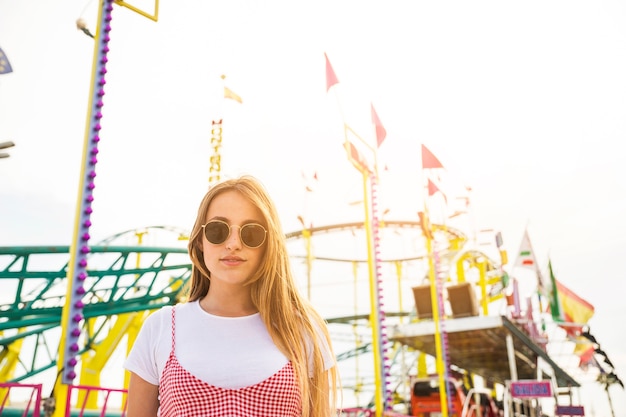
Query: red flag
<point x="331" y="78"/>
<point x="381" y="133"/>
<point x="432" y="188"/>
<point x="357" y="159"/>
<point x="429" y="160"/>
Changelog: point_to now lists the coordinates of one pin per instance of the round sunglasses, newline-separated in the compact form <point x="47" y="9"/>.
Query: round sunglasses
<point x="251" y="234"/>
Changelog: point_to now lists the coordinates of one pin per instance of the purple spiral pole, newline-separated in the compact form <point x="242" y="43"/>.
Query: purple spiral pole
<point x="439" y="285"/>
<point x="382" y="328"/>
<point x="88" y="174"/>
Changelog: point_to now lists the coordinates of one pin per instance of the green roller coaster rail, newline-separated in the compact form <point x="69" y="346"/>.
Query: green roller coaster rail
<point x="32" y="299"/>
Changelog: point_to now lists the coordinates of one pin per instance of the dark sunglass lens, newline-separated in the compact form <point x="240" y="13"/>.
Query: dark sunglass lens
<point x="216" y="232"/>
<point x="252" y="235"/>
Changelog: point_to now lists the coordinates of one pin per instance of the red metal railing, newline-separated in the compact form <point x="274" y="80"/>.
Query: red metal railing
<point x="88" y="390"/>
<point x="106" y="408"/>
<point x="5" y="388"/>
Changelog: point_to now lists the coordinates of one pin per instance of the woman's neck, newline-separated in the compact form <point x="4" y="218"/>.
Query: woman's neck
<point x="228" y="303"/>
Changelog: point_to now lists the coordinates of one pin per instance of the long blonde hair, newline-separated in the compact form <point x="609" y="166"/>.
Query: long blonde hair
<point x="293" y="323"/>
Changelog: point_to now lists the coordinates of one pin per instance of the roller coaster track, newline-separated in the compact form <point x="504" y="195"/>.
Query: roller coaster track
<point x="124" y="283"/>
<point x="33" y="296"/>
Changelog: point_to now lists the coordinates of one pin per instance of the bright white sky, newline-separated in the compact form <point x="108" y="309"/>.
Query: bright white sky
<point x="525" y="102"/>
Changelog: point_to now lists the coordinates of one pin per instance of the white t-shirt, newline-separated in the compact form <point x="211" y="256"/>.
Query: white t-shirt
<point x="227" y="352"/>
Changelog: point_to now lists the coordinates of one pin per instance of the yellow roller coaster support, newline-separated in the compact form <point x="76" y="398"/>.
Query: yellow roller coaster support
<point x="483" y="264"/>
<point x="9" y="358"/>
<point x="376" y="343"/>
<point x="358" y="382"/>
<point x="92" y="366"/>
<point x="482" y="279"/>
<point x="422" y="365"/>
<point x="434" y="300"/>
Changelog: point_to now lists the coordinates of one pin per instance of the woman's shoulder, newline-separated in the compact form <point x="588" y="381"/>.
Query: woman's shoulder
<point x="164" y="314"/>
<point x="160" y="320"/>
<point x="167" y="313"/>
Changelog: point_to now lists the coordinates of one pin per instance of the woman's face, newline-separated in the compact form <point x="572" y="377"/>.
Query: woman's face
<point x="232" y="262"/>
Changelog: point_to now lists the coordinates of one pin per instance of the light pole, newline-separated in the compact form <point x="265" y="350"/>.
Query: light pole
<point x="5" y="145"/>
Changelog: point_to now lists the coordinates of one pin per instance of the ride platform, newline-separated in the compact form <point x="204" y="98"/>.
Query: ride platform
<point x="484" y="345"/>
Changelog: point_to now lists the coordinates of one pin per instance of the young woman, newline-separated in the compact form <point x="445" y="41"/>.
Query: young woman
<point x="246" y="343"/>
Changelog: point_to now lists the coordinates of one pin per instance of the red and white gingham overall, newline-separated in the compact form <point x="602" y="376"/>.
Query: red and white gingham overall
<point x="181" y="394"/>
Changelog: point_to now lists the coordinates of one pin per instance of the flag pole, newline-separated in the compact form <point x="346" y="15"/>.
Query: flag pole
<point x="381" y="396"/>
<point x="430" y="161"/>
<point x="376" y="315"/>
<point x="440" y="364"/>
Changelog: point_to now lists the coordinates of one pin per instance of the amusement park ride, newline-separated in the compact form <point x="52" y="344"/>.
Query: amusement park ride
<point x="445" y="351"/>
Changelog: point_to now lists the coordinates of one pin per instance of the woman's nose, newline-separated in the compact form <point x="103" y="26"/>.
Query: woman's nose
<point x="234" y="240"/>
